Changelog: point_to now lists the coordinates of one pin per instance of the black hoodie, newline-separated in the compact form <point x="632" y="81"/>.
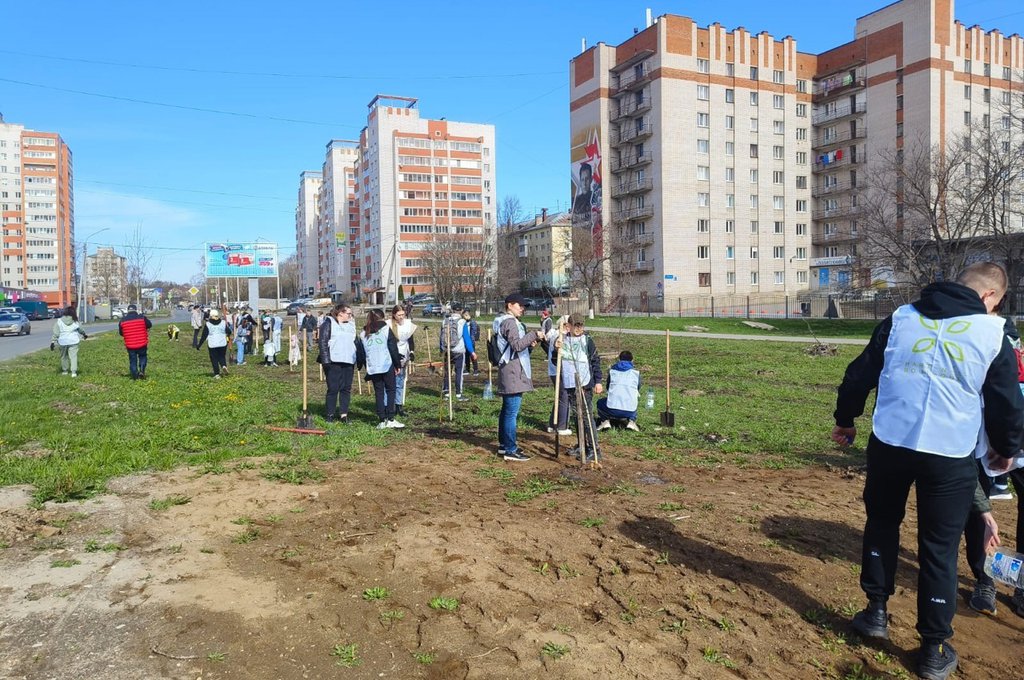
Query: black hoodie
<point x="1004" y="405"/>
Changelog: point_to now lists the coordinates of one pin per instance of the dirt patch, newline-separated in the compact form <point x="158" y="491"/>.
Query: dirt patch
<point x="640" y="570"/>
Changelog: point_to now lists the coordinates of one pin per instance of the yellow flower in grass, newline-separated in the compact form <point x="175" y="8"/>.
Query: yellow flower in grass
<point x="231" y="397"/>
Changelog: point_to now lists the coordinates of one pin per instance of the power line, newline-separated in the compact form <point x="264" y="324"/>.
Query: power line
<point x="238" y="114"/>
<point x="273" y="74"/>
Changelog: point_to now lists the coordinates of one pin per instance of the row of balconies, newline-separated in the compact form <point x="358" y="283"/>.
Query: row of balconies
<point x="847" y="159"/>
<point x="825" y="190"/>
<point x="628" y="266"/>
<point x="860" y="132"/>
<point x="638" y="75"/>
<point x="819" y="238"/>
<point x="644" y="239"/>
<point x="636" y="186"/>
<point x="631" y="161"/>
<point x="629" y="133"/>
<point x="836" y="85"/>
<point x="838" y="113"/>
<point x="630" y="106"/>
<point x="636" y="213"/>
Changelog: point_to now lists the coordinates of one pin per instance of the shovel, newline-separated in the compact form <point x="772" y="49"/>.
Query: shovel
<point x="305" y="421"/>
<point x="668" y="419"/>
<point x="430" y="359"/>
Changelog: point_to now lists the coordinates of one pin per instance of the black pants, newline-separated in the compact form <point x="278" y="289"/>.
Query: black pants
<point x="195" y="337"/>
<point x="458" y="366"/>
<point x="974" y="534"/>
<point x="339" y="388"/>
<point x="473" y="362"/>
<point x="218" y="358"/>
<point x="945" y="488"/>
<point x="384" y="385"/>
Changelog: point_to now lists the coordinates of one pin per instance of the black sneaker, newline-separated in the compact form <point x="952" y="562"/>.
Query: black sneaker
<point x="1000" y="493"/>
<point x="937" y="661"/>
<point x="1018" y="601"/>
<point x="871" y="623"/>
<point x="515" y="455"/>
<point x="331" y="418"/>
<point x="983" y="599"/>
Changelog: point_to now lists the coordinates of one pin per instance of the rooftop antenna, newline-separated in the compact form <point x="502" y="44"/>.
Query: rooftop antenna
<point x="583" y="48"/>
<point x="649" y="20"/>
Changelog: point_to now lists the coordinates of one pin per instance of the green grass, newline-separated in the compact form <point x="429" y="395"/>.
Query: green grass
<point x="347" y="655"/>
<point x="83" y="433"/>
<point x="378" y="593"/>
<point x="448" y="604"/>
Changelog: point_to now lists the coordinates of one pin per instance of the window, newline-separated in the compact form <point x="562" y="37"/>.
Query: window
<point x="778" y="101"/>
<point x="730" y="122"/>
<point x="801" y="134"/>
<point x="801" y="253"/>
<point x="899" y="102"/>
<point x="753" y="73"/>
<point x="779" y="252"/>
<point x="730" y="148"/>
<point x="703" y="225"/>
<point x="967" y="65"/>
<point x="704" y="172"/>
<point x="801" y="276"/>
<point x="730" y="226"/>
<point x="703" y="120"/>
<point x="753" y="252"/>
<point x="1006" y="97"/>
<point x="778" y="177"/>
<point x="703" y="92"/>
<point x="704" y="279"/>
<point x="703" y="146"/>
<point x="753" y="150"/>
<point x="730" y="95"/>
<point x="967" y="117"/>
<point x="753" y="278"/>
<point x="986" y="70"/>
<point x="753" y="226"/>
<point x="730" y="174"/>
<point x="801" y="181"/>
<point x="778" y="76"/>
<point x="899" y="129"/>
<point x="1006" y="73"/>
<point x="1006" y="122"/>
<point x="703" y="252"/>
<point x="778" y="152"/>
<point x="801" y="230"/>
<point x="778" y="202"/>
<point x="967" y="91"/>
<point x="753" y="201"/>
<point x="703" y="66"/>
<point x="801" y="110"/>
<point x="730" y="278"/>
<point x="730" y="201"/>
<point x="730" y="69"/>
<point x="753" y="124"/>
<point x="779" y="127"/>
<point x="801" y="205"/>
<point x="780" y="278"/>
<point x="753" y="175"/>
<point x="801" y="86"/>
<point x="730" y="252"/>
<point x="703" y="199"/>
<point x="801" y="158"/>
<point x="753" y="98"/>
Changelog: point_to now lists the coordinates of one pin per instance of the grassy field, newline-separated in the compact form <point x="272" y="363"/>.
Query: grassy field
<point x="738" y="402"/>
<point x="822" y="328"/>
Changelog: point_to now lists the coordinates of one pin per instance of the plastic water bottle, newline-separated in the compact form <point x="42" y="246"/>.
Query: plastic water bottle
<point x="1006" y="567"/>
<point x="650" y="397"/>
<point x="488" y="390"/>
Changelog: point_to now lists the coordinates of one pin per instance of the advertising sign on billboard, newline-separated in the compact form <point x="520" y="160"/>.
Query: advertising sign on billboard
<point x="241" y="259"/>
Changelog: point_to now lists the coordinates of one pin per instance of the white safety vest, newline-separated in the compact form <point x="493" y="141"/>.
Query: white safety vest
<point x="623" y="389"/>
<point x="218" y="334"/>
<point x="68" y="333"/>
<point x="342" y="343"/>
<point x="575" y="361"/>
<point x="929" y="391"/>
<point x="405" y="331"/>
<point x="378" y="358"/>
<point x="506" y="355"/>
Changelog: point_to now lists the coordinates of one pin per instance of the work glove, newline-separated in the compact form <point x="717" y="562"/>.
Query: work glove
<point x="412" y="356"/>
<point x="51" y="346"/>
<point x="84" y="336"/>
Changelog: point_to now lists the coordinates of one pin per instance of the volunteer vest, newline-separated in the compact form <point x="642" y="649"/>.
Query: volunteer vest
<point x="623" y="389"/>
<point x="68" y="333"/>
<point x="575" y="362"/>
<point x="403" y="331"/>
<point x="929" y="391"/>
<point x="342" y="344"/>
<point x="524" y="356"/>
<point x="378" y="358"/>
<point x="135" y="334"/>
<point x="218" y="334"/>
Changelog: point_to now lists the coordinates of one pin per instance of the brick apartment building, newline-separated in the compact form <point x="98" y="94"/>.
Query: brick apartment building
<point x="37" y="214"/>
<point x="383" y="199"/>
<point x="724" y="162"/>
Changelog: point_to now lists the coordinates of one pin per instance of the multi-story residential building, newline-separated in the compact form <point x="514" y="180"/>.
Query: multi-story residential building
<point x="37" y="213"/>
<point x="107" y="276"/>
<point x="710" y="161"/>
<point x="538" y="253"/>
<point x="307" y="242"/>
<point x="409" y="184"/>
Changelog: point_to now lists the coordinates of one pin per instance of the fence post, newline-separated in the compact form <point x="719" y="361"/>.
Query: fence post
<point x="787" y="306"/>
<point x="679" y="307"/>
<point x="748" y="306"/>
<point x="875" y="300"/>
<point x="712" y="306"/>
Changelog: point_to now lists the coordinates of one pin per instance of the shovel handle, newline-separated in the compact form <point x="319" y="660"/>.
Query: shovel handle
<point x="668" y="373"/>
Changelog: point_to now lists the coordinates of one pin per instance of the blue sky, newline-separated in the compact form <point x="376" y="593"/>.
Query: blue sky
<point x="190" y="175"/>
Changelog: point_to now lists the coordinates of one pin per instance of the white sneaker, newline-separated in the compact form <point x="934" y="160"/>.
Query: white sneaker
<point x="565" y="433"/>
<point x="63" y="372"/>
<point x="216" y="377"/>
<point x="631" y="425"/>
<point x="383" y="425"/>
<point x="394" y="424"/>
<point x="605" y="425"/>
<point x="74" y="375"/>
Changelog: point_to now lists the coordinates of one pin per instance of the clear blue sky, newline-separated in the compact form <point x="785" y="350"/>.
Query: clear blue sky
<point x="141" y="163"/>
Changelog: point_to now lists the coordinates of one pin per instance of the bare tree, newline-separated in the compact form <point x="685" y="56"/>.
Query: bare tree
<point x="512" y="269"/>
<point x="456" y="264"/>
<point x="289" y="274"/>
<point x="139" y="259"/>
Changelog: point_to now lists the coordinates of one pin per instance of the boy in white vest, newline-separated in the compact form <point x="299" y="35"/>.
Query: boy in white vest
<point x="455" y="331"/>
<point x="581" y="369"/>
<point x="932" y="363"/>
<point x="623" y="395"/>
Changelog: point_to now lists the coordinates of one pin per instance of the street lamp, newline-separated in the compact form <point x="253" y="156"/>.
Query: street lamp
<point x="83" y="284"/>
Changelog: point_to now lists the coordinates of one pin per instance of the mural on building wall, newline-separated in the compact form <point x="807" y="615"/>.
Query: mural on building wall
<point x="585" y="157"/>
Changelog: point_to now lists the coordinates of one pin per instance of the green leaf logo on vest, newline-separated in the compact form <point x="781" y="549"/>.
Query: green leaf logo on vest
<point x="953" y="349"/>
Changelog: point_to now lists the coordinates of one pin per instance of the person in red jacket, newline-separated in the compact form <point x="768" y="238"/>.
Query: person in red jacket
<point x="134" y="328"/>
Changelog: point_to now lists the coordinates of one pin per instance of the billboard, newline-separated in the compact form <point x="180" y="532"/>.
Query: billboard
<point x="585" y="170"/>
<point x="244" y="260"/>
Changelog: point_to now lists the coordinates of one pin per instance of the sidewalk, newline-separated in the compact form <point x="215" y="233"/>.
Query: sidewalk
<point x="728" y="336"/>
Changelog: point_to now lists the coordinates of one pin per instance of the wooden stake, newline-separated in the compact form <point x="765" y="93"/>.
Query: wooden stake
<point x="558" y="393"/>
<point x="451" y="383"/>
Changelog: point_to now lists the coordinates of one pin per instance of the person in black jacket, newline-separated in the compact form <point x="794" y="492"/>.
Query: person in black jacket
<point x="931" y="363"/>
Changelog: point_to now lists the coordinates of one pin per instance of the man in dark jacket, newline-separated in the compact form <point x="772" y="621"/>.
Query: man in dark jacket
<point x="134" y="328"/>
<point x="932" y="362"/>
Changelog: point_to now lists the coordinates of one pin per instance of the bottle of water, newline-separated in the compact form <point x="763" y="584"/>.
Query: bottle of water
<point x="650" y="397"/>
<point x="488" y="390"/>
<point x="1007" y="567"/>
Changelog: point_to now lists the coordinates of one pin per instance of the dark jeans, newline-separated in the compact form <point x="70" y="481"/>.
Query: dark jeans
<point x="384" y="393"/>
<point x="605" y="413"/>
<point x="945" y="489"/>
<point x="218" y="358"/>
<point x="974" y="534"/>
<point x="339" y="388"/>
<point x="458" y="365"/>
<point x="195" y="337"/>
<point x="584" y="420"/>
<point x="470" y="361"/>
<point x="137" y="359"/>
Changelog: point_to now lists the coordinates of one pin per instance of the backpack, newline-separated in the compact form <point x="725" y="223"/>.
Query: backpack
<point x="450" y="336"/>
<point x="495" y="355"/>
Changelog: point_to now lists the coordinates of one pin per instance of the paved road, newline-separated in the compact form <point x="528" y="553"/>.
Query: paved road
<point x="729" y="336"/>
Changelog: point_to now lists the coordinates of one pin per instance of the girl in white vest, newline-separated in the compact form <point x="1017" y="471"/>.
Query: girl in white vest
<point x="377" y="350"/>
<point x="215" y="334"/>
<point x="67" y="333"/>
<point x="581" y="369"/>
<point x="403" y="329"/>
<point x="623" y="394"/>
<point x="337" y="341"/>
<point x="550" y="338"/>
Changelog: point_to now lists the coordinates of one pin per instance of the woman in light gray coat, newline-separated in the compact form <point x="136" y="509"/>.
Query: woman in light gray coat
<point x="67" y="333"/>
<point x="514" y="373"/>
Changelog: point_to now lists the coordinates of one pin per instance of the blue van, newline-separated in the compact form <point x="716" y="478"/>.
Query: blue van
<point x="35" y="310"/>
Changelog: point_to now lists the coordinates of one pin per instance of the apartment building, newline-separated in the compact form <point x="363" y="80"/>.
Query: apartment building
<point x="338" y="219"/>
<point x="733" y="159"/>
<point x="37" y="213"/>
<point x="107" y="275"/>
<point x="537" y="252"/>
<point x="307" y="242"/>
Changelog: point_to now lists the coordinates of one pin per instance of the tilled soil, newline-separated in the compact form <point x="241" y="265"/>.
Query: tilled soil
<point x="639" y="570"/>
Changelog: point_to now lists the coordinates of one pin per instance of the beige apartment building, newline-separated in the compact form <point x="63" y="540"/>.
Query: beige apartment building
<point x="37" y="214"/>
<point x="307" y="242"/>
<point x="338" y="220"/>
<point x="714" y="162"/>
<point x="107" y="275"/>
<point x="537" y="253"/>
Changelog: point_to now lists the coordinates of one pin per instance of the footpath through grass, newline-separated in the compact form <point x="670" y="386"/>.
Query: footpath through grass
<point x="747" y="403"/>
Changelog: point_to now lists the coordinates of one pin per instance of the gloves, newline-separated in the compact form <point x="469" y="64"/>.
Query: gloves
<point x="84" y="336"/>
<point x="412" y="356"/>
<point x="51" y="346"/>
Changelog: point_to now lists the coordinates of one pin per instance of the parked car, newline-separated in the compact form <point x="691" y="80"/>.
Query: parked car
<point x="15" y="324"/>
<point x="432" y="309"/>
<point x="9" y="310"/>
<point x="117" y="313"/>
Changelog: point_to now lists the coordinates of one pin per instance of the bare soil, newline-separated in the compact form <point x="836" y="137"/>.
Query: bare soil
<point x="694" y="573"/>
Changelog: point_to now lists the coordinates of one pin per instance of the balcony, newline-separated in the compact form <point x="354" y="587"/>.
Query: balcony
<point x="639" y="240"/>
<point x="845" y="136"/>
<point x="637" y="76"/>
<point x="848" y="159"/>
<point x="634" y="187"/>
<point x="631" y="266"/>
<point x="630" y="132"/>
<point x="837" y="85"/>
<point x="633" y="213"/>
<point x="838" y="187"/>
<point x="840" y="213"/>
<point x="838" y="113"/>
<point x="630" y="106"/>
<point x="631" y="161"/>
<point x="821" y="238"/>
